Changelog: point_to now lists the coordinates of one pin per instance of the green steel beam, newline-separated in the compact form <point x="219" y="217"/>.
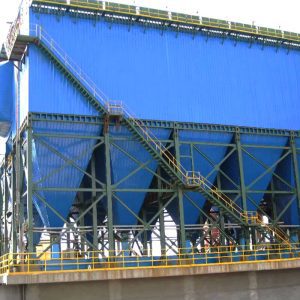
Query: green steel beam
<point x="94" y="193"/>
<point x="182" y="232"/>
<point x="89" y="208"/>
<point x="192" y="156"/>
<point x="133" y="172"/>
<point x="68" y="160"/>
<point x="154" y="218"/>
<point x="1" y="215"/>
<point x="109" y="195"/>
<point x="273" y="202"/>
<point x="216" y="167"/>
<point x="14" y="174"/>
<point x="241" y="170"/>
<point x="287" y="205"/>
<point x="67" y="189"/>
<point x="160" y="124"/>
<point x="161" y="216"/>
<point x="20" y="189"/>
<point x="29" y="161"/>
<point x="6" y="198"/>
<point x="214" y="223"/>
<point x="152" y="190"/>
<point x="268" y="169"/>
<point x="69" y="136"/>
<point x="139" y="163"/>
<point x="146" y="225"/>
<point x="67" y="163"/>
<point x="75" y="229"/>
<point x="265" y="146"/>
<point x="145" y="236"/>
<point x="296" y="170"/>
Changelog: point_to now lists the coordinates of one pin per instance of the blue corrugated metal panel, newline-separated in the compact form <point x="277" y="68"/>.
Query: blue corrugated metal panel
<point x="7" y="98"/>
<point x="192" y="203"/>
<point x="51" y="91"/>
<point x="123" y="165"/>
<point x="23" y="81"/>
<point x="36" y="177"/>
<point x="164" y="76"/>
<point x="56" y="171"/>
<point x="286" y="172"/>
<point x="205" y="158"/>
<point x="99" y="156"/>
<point x="297" y="141"/>
<point x="208" y="150"/>
<point x="256" y="166"/>
<point x="255" y="163"/>
<point x="40" y="214"/>
<point x="232" y="179"/>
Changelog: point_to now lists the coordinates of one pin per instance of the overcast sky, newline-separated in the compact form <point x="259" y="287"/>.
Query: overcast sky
<point x="276" y="13"/>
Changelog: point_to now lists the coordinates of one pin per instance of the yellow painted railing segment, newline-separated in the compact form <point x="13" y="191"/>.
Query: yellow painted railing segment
<point x="175" y="17"/>
<point x="99" y="260"/>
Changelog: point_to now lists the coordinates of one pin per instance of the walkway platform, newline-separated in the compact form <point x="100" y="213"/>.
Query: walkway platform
<point x="134" y="273"/>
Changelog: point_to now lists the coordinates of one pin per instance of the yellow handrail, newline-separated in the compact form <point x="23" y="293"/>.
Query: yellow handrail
<point x="180" y="18"/>
<point x="28" y="263"/>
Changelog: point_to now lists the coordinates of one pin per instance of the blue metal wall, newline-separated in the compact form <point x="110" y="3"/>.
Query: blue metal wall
<point x="162" y="75"/>
<point x="51" y="167"/>
<point x="50" y="90"/>
<point x="7" y="98"/>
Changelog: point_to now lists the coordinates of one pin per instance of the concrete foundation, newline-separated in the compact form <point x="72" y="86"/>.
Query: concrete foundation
<point x="249" y="285"/>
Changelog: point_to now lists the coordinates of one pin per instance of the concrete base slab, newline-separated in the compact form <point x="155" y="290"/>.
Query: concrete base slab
<point x="251" y="281"/>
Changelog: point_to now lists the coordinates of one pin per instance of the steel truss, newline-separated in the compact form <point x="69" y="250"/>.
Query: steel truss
<point x="18" y="188"/>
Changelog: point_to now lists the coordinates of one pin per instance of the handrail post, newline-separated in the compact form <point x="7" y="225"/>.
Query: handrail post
<point x="93" y="260"/>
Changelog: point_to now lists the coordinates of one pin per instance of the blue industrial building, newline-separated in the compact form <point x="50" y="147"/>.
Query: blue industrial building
<point x="213" y="143"/>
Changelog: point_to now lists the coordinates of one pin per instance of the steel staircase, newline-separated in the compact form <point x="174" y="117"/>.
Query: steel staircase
<point x="181" y="177"/>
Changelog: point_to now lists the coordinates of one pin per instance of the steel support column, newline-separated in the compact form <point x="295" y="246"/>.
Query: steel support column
<point x="145" y="235"/>
<point x="14" y="215"/>
<point x="180" y="194"/>
<point x="1" y="214"/>
<point x="6" y="197"/>
<point x="29" y="190"/>
<point x="110" y="224"/>
<point x="241" y="170"/>
<point x="95" y="216"/>
<point x="20" y="187"/>
<point x="161" y="216"/>
<point x="296" y="170"/>
<point x="245" y="231"/>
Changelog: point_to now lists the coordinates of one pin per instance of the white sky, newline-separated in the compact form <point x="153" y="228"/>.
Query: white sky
<point x="270" y="13"/>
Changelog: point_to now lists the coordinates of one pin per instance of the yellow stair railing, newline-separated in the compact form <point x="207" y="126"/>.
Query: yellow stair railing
<point x="252" y="217"/>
